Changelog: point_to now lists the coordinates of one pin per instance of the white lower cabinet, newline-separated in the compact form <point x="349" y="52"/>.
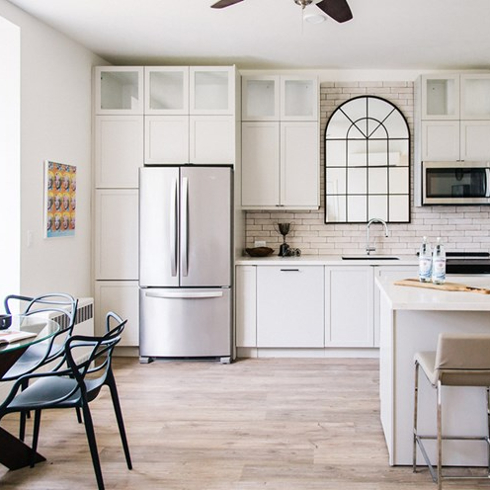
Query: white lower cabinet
<point x="246" y="306"/>
<point x="121" y="297"/>
<point x="290" y="306"/>
<point x="310" y="306"/>
<point x="349" y="306"/>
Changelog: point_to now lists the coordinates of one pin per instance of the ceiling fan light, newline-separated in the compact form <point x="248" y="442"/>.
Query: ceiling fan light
<point x="314" y="18"/>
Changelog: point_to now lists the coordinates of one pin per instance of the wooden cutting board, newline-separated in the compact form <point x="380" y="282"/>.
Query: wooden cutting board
<point x="447" y="286"/>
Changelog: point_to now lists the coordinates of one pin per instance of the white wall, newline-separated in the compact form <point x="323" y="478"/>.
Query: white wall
<point x="55" y="125"/>
<point x="9" y="157"/>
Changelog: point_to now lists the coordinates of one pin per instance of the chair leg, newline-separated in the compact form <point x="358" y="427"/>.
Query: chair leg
<point x="111" y="382"/>
<point x="415" y="416"/>
<point x="439" y="435"/>
<point x="35" y="435"/>
<point x="79" y="415"/>
<point x="89" y="429"/>
<point x="22" y="425"/>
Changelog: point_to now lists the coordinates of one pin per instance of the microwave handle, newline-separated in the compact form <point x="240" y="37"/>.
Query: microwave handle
<point x="487" y="182"/>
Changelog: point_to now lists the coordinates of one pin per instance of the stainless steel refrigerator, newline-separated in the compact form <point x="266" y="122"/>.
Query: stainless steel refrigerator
<point x="185" y="271"/>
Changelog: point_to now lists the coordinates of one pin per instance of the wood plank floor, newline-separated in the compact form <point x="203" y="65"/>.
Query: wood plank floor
<point x="280" y="424"/>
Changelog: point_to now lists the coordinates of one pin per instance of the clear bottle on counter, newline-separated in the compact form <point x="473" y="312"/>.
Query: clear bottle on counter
<point x="425" y="261"/>
<point x="439" y="263"/>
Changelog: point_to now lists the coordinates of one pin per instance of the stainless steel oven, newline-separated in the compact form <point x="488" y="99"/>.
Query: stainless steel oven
<point x="455" y="183"/>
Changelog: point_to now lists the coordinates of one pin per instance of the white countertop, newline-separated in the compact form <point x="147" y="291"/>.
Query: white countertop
<point x="323" y="260"/>
<point x="414" y="298"/>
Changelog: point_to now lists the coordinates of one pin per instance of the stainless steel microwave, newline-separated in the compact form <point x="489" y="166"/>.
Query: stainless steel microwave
<point x="455" y="183"/>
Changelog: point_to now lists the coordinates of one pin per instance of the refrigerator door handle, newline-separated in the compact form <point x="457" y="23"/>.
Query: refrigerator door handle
<point x="185" y="294"/>
<point x="185" y="227"/>
<point x="173" y="228"/>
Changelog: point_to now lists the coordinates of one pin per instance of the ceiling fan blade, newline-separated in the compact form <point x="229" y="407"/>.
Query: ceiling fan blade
<point x="224" y="3"/>
<point x="339" y="10"/>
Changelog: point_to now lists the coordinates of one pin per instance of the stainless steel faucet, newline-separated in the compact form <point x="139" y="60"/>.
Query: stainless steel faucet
<point x="369" y="248"/>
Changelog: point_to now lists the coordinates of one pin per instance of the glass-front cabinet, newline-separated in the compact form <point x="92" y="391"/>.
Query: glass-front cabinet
<point x="167" y="90"/>
<point x="475" y="96"/>
<point x="440" y="97"/>
<point x="118" y="90"/>
<point x="212" y="90"/>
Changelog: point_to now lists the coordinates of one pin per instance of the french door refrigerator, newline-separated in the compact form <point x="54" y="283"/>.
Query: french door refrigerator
<point x="185" y="216"/>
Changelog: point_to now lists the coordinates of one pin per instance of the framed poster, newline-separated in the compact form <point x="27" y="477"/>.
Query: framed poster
<point x="60" y="188"/>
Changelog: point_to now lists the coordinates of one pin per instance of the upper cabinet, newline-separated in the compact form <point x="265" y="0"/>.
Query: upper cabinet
<point x="280" y="142"/>
<point x="118" y="90"/>
<point x="452" y="120"/>
<point x="190" y="115"/>
<point x="184" y="90"/>
<point x="275" y="98"/>
<point x="167" y="90"/>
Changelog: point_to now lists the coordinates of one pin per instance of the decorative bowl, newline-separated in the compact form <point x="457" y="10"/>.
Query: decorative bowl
<point x="259" y="251"/>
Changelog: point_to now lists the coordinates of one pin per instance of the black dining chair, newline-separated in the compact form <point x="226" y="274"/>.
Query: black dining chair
<point x="62" y="308"/>
<point x="74" y="387"/>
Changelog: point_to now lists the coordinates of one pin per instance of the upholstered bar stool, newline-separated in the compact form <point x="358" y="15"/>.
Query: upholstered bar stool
<point x="460" y="360"/>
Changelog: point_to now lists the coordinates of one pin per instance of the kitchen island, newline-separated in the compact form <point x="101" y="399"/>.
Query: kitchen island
<point x="411" y="320"/>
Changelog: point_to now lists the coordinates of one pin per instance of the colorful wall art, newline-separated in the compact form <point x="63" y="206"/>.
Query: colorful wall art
<point x="60" y="199"/>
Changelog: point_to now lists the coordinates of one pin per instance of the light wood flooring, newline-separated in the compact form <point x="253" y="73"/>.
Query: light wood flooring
<point x="277" y="424"/>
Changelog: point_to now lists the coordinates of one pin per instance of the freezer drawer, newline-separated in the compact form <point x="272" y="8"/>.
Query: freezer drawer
<point x="185" y="322"/>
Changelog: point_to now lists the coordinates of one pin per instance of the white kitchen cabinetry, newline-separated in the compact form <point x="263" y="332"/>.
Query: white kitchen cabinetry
<point x="452" y="120"/>
<point x="290" y="306"/>
<point x="349" y="306"/>
<point x="118" y="90"/>
<point x="116" y="234"/>
<point x="189" y="115"/>
<point x="118" y="151"/>
<point x="246" y="306"/>
<point x="280" y="142"/>
<point x="394" y="273"/>
<point x="122" y="298"/>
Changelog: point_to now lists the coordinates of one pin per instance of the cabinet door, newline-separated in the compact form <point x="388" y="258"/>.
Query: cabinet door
<point x="166" y="139"/>
<point x="260" y="164"/>
<point x="440" y="140"/>
<point x="475" y="96"/>
<point x="440" y="97"/>
<point x="212" y="90"/>
<point x="121" y="297"/>
<point x="475" y="140"/>
<point x="290" y="306"/>
<point x="299" y="98"/>
<point x="349" y="307"/>
<point x="260" y="98"/>
<point x="300" y="167"/>
<point x="246" y="306"/>
<point x="167" y="90"/>
<point x="119" y="90"/>
<point x="212" y="139"/>
<point x="118" y="151"/>
<point x="395" y="273"/>
<point x="116" y="234"/>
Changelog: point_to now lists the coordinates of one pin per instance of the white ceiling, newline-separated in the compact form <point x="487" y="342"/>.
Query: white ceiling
<point x="384" y="34"/>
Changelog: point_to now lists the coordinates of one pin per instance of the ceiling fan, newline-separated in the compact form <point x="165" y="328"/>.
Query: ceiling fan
<point x="339" y="10"/>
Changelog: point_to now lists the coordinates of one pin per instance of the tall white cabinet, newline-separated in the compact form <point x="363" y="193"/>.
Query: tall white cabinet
<point x="280" y="142"/>
<point x="148" y="116"/>
<point x="118" y="143"/>
<point x="452" y="120"/>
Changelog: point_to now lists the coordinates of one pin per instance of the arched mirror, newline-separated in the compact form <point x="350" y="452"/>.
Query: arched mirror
<point x="367" y="163"/>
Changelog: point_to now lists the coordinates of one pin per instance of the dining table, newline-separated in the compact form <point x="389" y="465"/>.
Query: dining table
<point x="14" y="453"/>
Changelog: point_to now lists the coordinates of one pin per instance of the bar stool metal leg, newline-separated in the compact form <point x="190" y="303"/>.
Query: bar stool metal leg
<point x="415" y="407"/>
<point x="439" y="435"/>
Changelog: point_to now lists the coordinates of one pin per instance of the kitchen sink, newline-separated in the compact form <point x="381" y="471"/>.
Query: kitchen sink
<point x="369" y="257"/>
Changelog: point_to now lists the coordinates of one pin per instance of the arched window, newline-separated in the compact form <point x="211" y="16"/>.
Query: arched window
<point x="367" y="163"/>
